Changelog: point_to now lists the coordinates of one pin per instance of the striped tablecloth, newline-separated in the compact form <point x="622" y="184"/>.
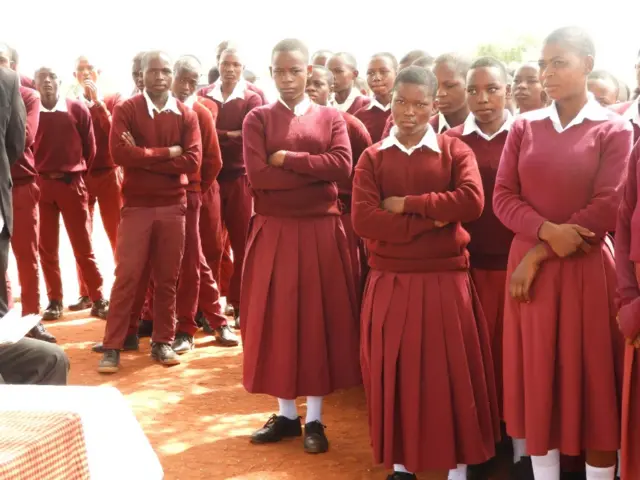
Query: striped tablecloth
<point x="42" y="446"/>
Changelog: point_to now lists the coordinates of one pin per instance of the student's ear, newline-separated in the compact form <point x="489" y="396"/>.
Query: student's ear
<point x="589" y="62"/>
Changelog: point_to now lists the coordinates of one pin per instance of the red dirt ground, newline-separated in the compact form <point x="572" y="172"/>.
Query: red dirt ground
<point x="197" y="415"/>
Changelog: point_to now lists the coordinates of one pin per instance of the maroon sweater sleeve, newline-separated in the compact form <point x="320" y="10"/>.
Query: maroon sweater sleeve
<point x="101" y="117"/>
<point x="263" y="176"/>
<point x="332" y="166"/>
<point x="32" y="104"/>
<point x="462" y="204"/>
<point x="510" y="208"/>
<point x="125" y="155"/>
<point x="191" y="143"/>
<point x="359" y="138"/>
<point x="372" y="222"/>
<point x="85" y="128"/>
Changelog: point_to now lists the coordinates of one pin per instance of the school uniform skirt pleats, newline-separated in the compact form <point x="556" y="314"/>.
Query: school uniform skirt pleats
<point x="358" y="256"/>
<point x="299" y="310"/>
<point x="427" y="370"/>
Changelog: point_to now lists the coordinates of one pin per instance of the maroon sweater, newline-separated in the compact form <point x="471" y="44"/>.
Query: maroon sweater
<point x="65" y="142"/>
<point x="318" y="156"/>
<point x="251" y="87"/>
<point x="151" y="177"/>
<point x="490" y="239"/>
<point x="360" y="140"/>
<point x="388" y="125"/>
<point x="438" y="186"/>
<point x="27" y="82"/>
<point x="101" y="116"/>
<point x="230" y="118"/>
<point x="24" y="170"/>
<point x="621" y="109"/>
<point x="375" y="120"/>
<point x="359" y="103"/>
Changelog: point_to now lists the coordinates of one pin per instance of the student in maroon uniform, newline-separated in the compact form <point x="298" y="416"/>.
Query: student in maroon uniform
<point x="381" y="73"/>
<point x="321" y="57"/>
<point x="224" y="45"/>
<point x="319" y="91"/>
<point x="305" y="345"/>
<point x="64" y="150"/>
<point x="103" y="179"/>
<point x="25" y="192"/>
<point x="630" y="111"/>
<point x="628" y="269"/>
<point x="346" y="97"/>
<point x="431" y="407"/>
<point x="527" y="88"/>
<point x="196" y="278"/>
<point x="411" y="57"/>
<point x="234" y="102"/>
<point x="451" y="71"/>
<point x="157" y="141"/>
<point x="604" y="87"/>
<point x="558" y="188"/>
<point x="485" y="132"/>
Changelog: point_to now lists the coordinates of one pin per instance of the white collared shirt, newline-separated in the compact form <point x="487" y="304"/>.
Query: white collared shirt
<point x="470" y="126"/>
<point x="170" y="106"/>
<point x="375" y="103"/>
<point x="238" y="92"/>
<point x="301" y="108"/>
<point x="60" y="106"/>
<point x="632" y="113"/>
<point x="442" y="123"/>
<point x="592" y="110"/>
<point x="343" y="107"/>
<point x="429" y="140"/>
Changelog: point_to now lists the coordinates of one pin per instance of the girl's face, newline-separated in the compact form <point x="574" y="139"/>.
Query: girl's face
<point x="343" y="74"/>
<point x="380" y="76"/>
<point x="452" y="93"/>
<point x="411" y="108"/>
<point x="290" y="71"/>
<point x="527" y="89"/>
<point x="563" y="72"/>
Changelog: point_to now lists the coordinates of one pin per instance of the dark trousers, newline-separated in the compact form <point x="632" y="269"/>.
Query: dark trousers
<point x="33" y="362"/>
<point x="4" y="261"/>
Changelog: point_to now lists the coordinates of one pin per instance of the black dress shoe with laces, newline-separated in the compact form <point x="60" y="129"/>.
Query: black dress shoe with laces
<point x="203" y="323"/>
<point x="40" y="333"/>
<point x="402" y="476"/>
<point x="163" y="353"/>
<point x="277" y="428"/>
<point x="53" y="310"/>
<point x="226" y="337"/>
<point x="110" y="362"/>
<point x="315" y="440"/>
<point x="100" y="309"/>
<point x="83" y="303"/>
<point x="131" y="343"/>
<point x="145" y="328"/>
<point x="183" y="343"/>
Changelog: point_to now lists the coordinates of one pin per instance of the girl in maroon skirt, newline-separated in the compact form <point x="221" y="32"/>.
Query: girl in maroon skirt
<point x="298" y="309"/>
<point x="425" y="353"/>
<point x="558" y="189"/>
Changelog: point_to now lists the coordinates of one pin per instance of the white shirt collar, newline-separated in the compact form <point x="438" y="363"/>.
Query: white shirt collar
<point x="633" y="113"/>
<point x="343" y="107"/>
<point x="429" y="140"/>
<point x="238" y="92"/>
<point x="375" y="103"/>
<point x="301" y="108"/>
<point x="442" y="123"/>
<point x="190" y="101"/>
<point x="471" y="126"/>
<point x="591" y="111"/>
<point x="60" y="106"/>
<point x="170" y="106"/>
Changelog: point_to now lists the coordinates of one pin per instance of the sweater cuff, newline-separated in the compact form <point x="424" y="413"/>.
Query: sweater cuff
<point x="629" y="319"/>
<point x="415" y="204"/>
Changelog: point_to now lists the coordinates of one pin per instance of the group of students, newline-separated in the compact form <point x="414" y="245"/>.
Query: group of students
<point x="447" y="241"/>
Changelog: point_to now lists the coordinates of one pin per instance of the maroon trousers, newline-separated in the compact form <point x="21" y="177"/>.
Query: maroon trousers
<point x="226" y="265"/>
<point x="236" y="208"/>
<point x="150" y="242"/>
<point x="24" y="243"/>
<point x="70" y="199"/>
<point x="105" y="188"/>
<point x="211" y="233"/>
<point x="196" y="279"/>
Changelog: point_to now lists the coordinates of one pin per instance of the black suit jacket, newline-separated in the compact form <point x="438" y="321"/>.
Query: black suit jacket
<point x="12" y="137"/>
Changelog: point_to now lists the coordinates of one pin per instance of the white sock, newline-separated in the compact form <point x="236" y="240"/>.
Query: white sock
<point x="397" y="467"/>
<point x="596" y="473"/>
<point x="459" y="473"/>
<point x="546" y="467"/>
<point x="314" y="409"/>
<point x="288" y="409"/>
<point x="519" y="449"/>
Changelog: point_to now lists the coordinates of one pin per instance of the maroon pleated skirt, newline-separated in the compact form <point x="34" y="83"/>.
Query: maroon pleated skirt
<point x="490" y="285"/>
<point x="358" y="256"/>
<point x="563" y="355"/>
<point x="630" y="461"/>
<point x="300" y="326"/>
<point x="427" y="370"/>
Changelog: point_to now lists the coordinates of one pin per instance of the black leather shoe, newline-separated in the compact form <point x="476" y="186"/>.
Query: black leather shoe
<point x="402" y="476"/>
<point x="53" y="310"/>
<point x="40" y="333"/>
<point x="100" y="309"/>
<point x="315" y="441"/>
<point x="276" y="429"/>
<point x="83" y="303"/>
<point x="163" y="353"/>
<point x="110" y="362"/>
<point x="145" y="329"/>
<point x="183" y="343"/>
<point x="131" y="343"/>
<point x="226" y="337"/>
<point x="203" y="323"/>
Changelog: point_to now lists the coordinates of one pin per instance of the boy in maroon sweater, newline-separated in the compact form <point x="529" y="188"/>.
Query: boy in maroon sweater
<point x="346" y="97"/>
<point x="234" y="102"/>
<point x="157" y="141"/>
<point x="64" y="150"/>
<point x="104" y="178"/>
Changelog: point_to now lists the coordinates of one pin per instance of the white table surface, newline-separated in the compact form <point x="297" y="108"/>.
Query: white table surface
<point x="116" y="445"/>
